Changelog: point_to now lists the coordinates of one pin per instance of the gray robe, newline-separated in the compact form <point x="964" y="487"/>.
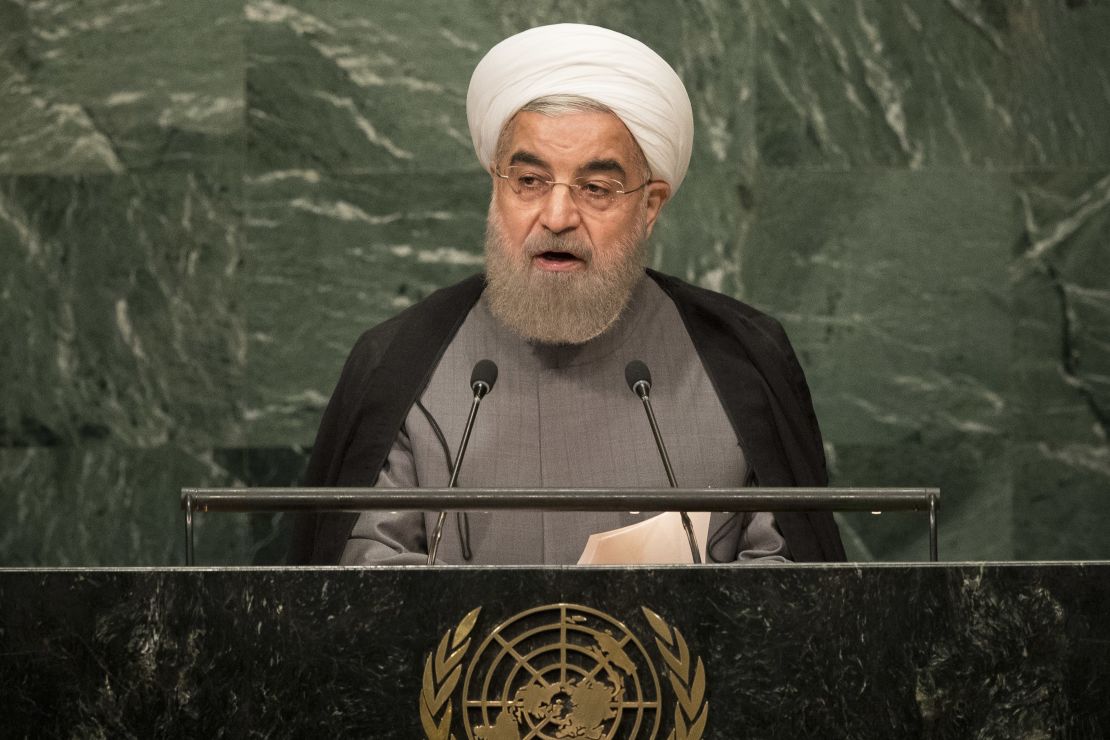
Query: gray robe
<point x="746" y="353"/>
<point x="562" y="416"/>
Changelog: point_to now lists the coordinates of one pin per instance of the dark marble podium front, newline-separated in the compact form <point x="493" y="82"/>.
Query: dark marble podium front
<point x="855" y="651"/>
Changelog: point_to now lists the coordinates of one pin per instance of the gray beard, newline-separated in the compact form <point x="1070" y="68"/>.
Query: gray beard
<point x="560" y="307"/>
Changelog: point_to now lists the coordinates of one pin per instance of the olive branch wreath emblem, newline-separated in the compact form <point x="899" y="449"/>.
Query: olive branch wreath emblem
<point x="691" y="710"/>
<point x="443" y="669"/>
<point x="441" y="675"/>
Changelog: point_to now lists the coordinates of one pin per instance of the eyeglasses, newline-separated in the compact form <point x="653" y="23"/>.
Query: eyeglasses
<point x="594" y="193"/>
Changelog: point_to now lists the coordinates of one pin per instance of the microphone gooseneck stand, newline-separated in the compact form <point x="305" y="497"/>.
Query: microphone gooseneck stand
<point x="482" y="379"/>
<point x="639" y="380"/>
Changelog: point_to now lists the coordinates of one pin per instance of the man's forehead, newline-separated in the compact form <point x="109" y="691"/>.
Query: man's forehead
<point x="583" y="140"/>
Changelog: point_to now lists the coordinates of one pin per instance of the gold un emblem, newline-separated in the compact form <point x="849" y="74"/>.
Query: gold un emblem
<point x="562" y="671"/>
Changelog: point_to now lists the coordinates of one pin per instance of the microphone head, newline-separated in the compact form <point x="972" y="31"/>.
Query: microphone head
<point x="638" y="377"/>
<point x="483" y="374"/>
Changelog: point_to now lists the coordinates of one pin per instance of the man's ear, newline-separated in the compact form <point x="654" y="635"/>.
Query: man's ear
<point x="658" y="193"/>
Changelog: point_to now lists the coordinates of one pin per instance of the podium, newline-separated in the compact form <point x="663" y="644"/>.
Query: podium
<point x="732" y="651"/>
<point x="785" y="651"/>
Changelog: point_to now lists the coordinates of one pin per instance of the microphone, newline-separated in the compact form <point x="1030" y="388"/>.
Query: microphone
<point x="482" y="378"/>
<point x="638" y="377"/>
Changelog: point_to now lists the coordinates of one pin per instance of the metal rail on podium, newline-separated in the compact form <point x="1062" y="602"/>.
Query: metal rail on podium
<point x="254" y="500"/>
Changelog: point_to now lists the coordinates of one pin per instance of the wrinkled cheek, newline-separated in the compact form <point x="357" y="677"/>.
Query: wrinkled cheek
<point x="512" y="221"/>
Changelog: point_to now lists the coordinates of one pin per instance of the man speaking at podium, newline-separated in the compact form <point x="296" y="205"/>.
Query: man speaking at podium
<point x="586" y="134"/>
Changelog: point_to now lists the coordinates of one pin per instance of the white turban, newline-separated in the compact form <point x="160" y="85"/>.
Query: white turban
<point x="574" y="59"/>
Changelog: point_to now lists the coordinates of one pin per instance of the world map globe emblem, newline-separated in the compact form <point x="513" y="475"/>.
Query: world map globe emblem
<point x="561" y="671"/>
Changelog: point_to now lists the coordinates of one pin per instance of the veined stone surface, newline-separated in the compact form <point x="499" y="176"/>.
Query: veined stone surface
<point x="203" y="204"/>
<point x="995" y="85"/>
<point x="112" y="87"/>
<point x="947" y="651"/>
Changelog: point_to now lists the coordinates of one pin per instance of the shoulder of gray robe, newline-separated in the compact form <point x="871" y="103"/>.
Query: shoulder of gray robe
<point x="383" y="376"/>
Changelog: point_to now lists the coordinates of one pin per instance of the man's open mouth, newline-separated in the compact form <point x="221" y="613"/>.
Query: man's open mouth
<point x="558" y="256"/>
<point x="556" y="261"/>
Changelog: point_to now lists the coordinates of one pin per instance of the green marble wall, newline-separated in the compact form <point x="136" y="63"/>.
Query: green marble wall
<point x="202" y="205"/>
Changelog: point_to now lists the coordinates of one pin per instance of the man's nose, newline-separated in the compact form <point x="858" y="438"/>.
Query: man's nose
<point x="560" y="211"/>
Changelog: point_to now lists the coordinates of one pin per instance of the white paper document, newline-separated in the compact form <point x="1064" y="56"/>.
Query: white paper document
<point x="658" y="540"/>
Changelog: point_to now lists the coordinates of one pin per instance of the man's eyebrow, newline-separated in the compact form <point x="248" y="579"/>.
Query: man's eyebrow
<point x="604" y="165"/>
<point x="523" y="157"/>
